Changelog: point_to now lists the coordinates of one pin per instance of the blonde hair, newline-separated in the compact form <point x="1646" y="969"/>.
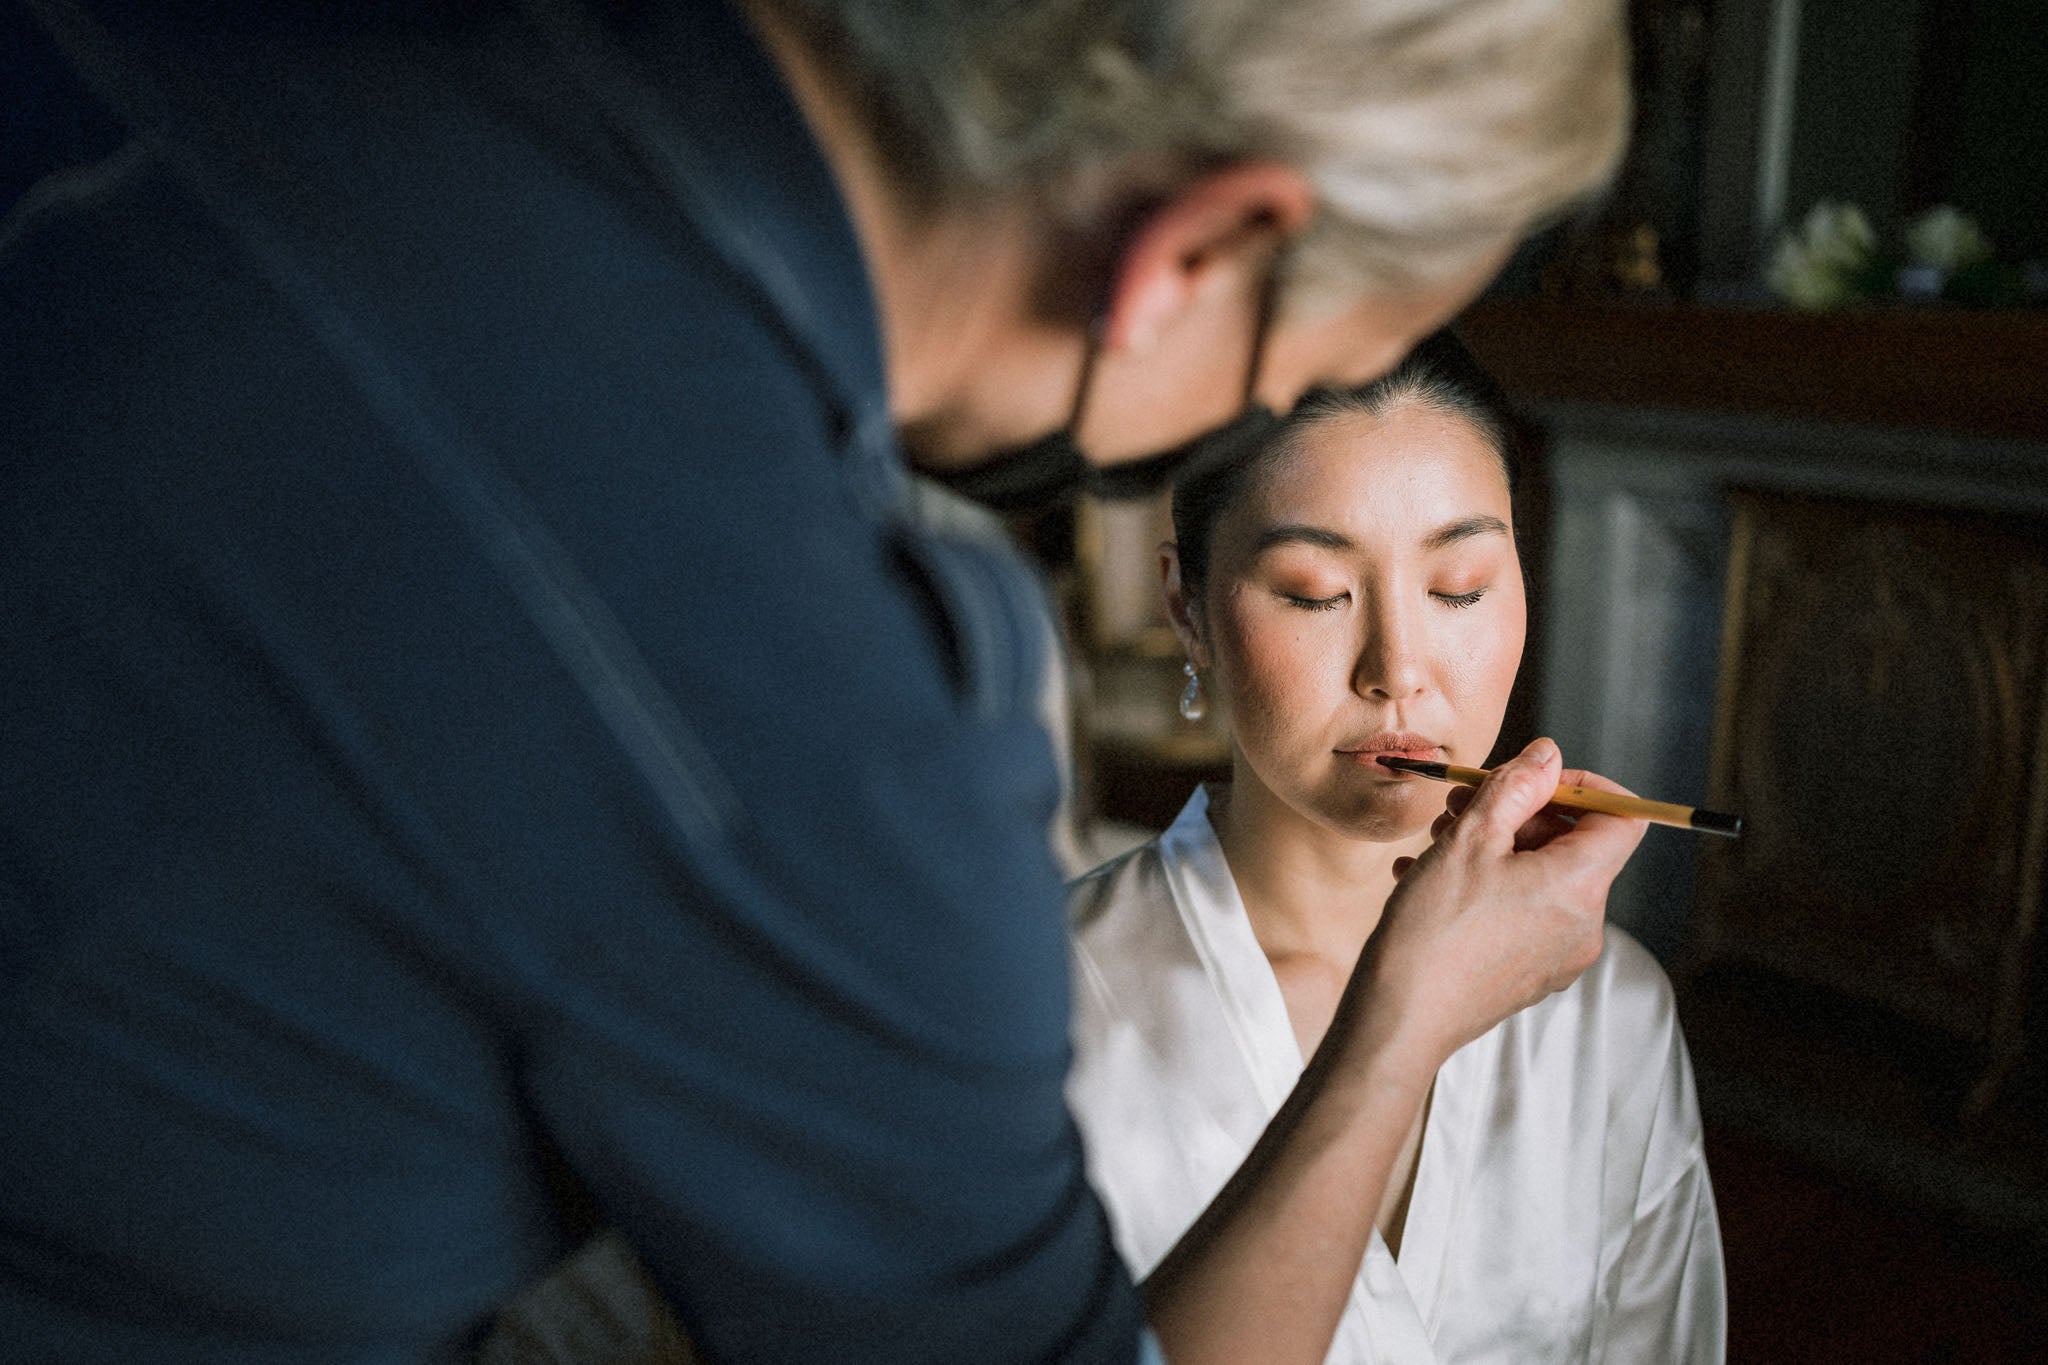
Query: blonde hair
<point x="1434" y="131"/>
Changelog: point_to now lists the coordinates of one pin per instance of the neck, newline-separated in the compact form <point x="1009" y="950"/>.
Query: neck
<point x="1308" y="890"/>
<point x="969" y="366"/>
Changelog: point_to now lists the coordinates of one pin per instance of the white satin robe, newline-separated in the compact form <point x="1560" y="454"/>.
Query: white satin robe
<point x="1561" y="1209"/>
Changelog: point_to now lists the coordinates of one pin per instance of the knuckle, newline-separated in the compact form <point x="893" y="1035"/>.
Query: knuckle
<point x="1523" y="784"/>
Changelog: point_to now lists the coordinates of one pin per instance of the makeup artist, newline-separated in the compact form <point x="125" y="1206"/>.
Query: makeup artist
<point x="485" y="747"/>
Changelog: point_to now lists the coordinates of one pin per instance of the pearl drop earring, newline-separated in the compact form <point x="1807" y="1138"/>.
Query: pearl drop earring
<point x="1193" y="706"/>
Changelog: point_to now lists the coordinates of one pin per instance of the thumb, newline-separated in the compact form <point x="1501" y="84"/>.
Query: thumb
<point x="1513" y="794"/>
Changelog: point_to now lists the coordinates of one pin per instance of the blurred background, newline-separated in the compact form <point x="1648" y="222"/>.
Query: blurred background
<point x="1785" y="513"/>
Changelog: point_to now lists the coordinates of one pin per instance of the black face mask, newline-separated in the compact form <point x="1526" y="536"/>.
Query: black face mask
<point x="1052" y="470"/>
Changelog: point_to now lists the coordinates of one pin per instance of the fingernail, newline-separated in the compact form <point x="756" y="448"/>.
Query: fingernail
<point x="1544" y="751"/>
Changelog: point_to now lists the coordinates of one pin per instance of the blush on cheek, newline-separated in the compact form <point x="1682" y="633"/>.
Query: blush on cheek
<point x="1256" y="707"/>
<point x="1482" y="680"/>
<point x="1263" y="659"/>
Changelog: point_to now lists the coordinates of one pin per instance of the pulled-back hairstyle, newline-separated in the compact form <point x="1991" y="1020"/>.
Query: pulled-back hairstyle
<point x="1440" y="373"/>
<point x="1433" y="131"/>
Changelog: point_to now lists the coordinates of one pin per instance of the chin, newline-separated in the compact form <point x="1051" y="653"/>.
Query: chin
<point x="1393" y="813"/>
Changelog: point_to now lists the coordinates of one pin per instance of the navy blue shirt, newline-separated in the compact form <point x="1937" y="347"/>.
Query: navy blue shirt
<point x="480" y="744"/>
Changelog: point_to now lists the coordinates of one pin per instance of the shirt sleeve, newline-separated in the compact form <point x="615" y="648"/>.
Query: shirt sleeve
<point x="1671" y="1299"/>
<point x="1668" y="1296"/>
<point x="815" y="1072"/>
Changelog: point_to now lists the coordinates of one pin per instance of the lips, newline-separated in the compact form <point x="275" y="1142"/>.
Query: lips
<point x="1366" y="751"/>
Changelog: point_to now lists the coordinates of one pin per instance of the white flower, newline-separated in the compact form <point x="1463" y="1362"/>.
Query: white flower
<point x="1839" y="235"/>
<point x="1945" y="240"/>
<point x="1817" y="267"/>
<point x="1795" y="277"/>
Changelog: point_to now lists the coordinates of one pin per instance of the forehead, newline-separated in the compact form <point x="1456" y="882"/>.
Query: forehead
<point x="1400" y="474"/>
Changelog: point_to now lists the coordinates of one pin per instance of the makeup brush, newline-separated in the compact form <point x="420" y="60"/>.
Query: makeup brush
<point x="1584" y="798"/>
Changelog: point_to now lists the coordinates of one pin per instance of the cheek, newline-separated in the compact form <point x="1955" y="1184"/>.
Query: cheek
<point x="1485" y="655"/>
<point x="1268" y="665"/>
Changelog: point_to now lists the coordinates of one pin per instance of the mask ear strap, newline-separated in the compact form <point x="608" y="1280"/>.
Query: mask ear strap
<point x="1086" y="381"/>
<point x="1269" y="305"/>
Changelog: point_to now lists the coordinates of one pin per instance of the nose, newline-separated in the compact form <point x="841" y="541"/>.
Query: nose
<point x="1391" y="663"/>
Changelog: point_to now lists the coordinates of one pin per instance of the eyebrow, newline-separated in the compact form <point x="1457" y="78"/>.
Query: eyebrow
<point x="1293" y="533"/>
<point x="1483" y="525"/>
<point x="1296" y="533"/>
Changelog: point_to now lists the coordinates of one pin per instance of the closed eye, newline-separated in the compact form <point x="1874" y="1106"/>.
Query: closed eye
<point x="1318" y="603"/>
<point x="1459" y="599"/>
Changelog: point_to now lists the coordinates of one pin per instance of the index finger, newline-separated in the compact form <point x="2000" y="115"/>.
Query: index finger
<point x="1592" y="781"/>
<point x="1458" y="798"/>
<point x="1555" y="820"/>
<point x="1595" y="836"/>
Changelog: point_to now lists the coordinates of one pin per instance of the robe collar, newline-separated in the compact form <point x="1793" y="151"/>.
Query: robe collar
<point x="1255" y="1012"/>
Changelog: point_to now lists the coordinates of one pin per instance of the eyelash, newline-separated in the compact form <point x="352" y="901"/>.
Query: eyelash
<point x="1456" y="601"/>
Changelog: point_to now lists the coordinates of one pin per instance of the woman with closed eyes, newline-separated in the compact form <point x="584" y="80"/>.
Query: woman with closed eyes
<point x="1353" y="591"/>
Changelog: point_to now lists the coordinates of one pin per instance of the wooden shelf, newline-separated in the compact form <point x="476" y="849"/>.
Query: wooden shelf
<point x="1935" y="368"/>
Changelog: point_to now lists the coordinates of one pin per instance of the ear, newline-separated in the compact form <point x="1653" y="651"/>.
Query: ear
<point x="1218" y="229"/>
<point x="1182" y="611"/>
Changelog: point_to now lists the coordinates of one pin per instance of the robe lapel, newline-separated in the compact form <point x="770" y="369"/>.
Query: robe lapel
<point x="1221" y="934"/>
<point x="1389" y="1318"/>
<point x="1443" y="1171"/>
